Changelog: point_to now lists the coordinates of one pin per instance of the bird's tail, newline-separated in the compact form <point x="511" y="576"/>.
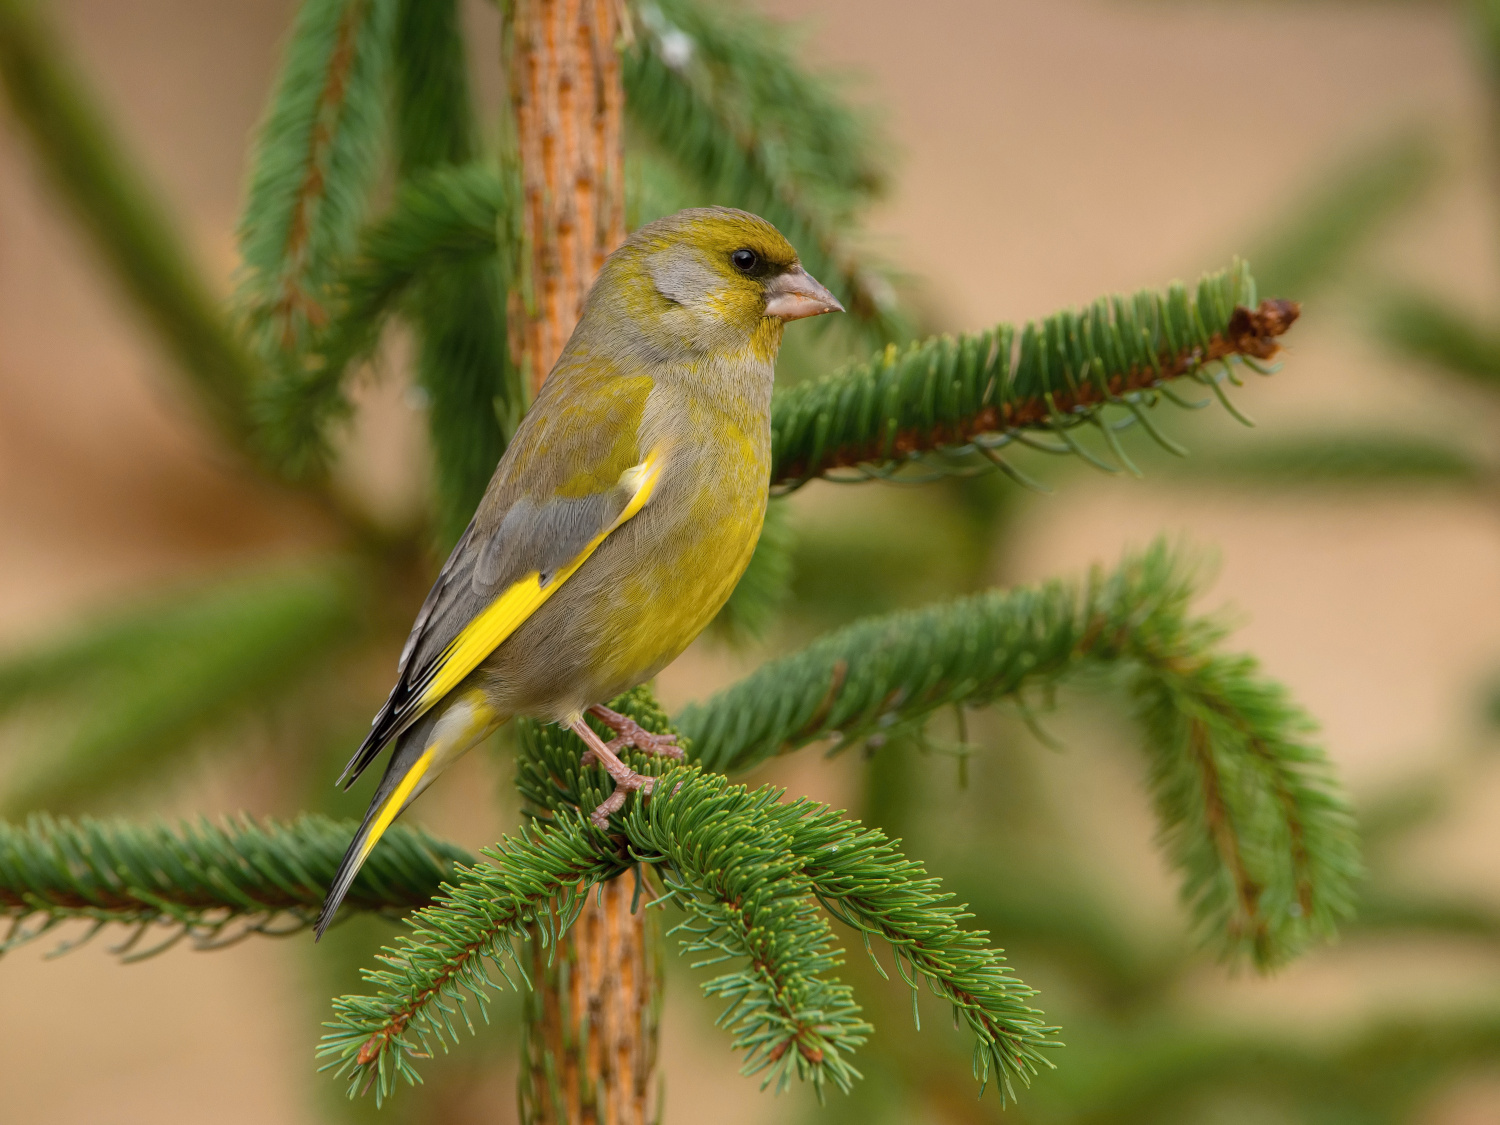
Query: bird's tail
<point x="422" y="752"/>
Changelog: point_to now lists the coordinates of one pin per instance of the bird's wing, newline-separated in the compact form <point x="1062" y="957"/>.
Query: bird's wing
<point x="515" y="555"/>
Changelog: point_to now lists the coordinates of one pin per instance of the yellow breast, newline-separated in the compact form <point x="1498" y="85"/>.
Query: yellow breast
<point x="692" y="544"/>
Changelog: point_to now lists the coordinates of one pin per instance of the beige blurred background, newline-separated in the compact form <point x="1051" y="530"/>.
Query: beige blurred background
<point x="1050" y="152"/>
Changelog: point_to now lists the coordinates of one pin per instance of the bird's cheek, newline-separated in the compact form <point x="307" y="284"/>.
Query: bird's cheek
<point x="726" y="305"/>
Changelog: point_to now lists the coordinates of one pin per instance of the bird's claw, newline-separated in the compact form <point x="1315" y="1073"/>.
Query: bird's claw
<point x="629" y="734"/>
<point x="661" y="745"/>
<point x="616" y="800"/>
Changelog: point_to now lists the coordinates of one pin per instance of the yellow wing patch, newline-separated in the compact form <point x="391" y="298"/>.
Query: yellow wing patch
<point x="393" y="805"/>
<point x="504" y="615"/>
<point x="468" y="720"/>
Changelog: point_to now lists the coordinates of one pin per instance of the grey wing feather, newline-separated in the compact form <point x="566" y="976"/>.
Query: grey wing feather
<point x="394" y="715"/>
<point x="530" y="537"/>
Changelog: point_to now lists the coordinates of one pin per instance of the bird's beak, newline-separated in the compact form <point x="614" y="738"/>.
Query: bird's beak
<point x="796" y="294"/>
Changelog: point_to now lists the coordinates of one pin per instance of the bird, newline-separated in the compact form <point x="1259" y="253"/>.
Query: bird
<point x="617" y="522"/>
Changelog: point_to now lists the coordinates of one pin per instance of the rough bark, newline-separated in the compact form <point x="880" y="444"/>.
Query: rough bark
<point x="568" y="105"/>
<point x="591" y="1021"/>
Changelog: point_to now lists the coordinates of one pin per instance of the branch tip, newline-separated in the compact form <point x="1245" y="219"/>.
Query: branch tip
<point x="1253" y="332"/>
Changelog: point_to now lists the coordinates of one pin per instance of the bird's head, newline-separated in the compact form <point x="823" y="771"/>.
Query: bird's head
<point x="711" y="279"/>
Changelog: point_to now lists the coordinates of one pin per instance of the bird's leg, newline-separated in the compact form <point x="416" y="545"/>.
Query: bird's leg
<point x="626" y="779"/>
<point x="631" y="733"/>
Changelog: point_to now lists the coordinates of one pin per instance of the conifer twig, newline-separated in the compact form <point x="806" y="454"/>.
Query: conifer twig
<point x="444" y="223"/>
<point x="538" y="878"/>
<point x="747" y="868"/>
<point x="947" y="402"/>
<point x="202" y="881"/>
<point x="313" y="169"/>
<point x="882" y="674"/>
<point x="866" y="883"/>
<point x="1248" y="808"/>
<point x="725" y="860"/>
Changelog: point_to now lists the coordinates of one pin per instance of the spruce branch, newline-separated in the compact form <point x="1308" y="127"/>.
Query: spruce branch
<point x="699" y="822"/>
<point x="724" y="858"/>
<point x="882" y="675"/>
<point x="473" y="391"/>
<point x="537" y="880"/>
<point x="315" y="160"/>
<point x="210" y="883"/>
<point x="724" y="855"/>
<point x="804" y="130"/>
<point x="746" y="869"/>
<point x="86" y="162"/>
<point x="1249" y="812"/>
<point x="866" y="883"/>
<point x="948" y="402"/>
<point x="444" y="224"/>
<point x="699" y="85"/>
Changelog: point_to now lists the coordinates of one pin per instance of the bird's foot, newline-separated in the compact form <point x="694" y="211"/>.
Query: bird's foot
<point x="630" y="734"/>
<point x="616" y="800"/>
<point x="626" y="779"/>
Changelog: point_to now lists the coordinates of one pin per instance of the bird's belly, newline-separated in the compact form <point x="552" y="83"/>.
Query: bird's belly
<point x="638" y="601"/>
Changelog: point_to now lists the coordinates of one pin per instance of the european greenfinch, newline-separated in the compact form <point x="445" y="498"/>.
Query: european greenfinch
<point x="619" y="518"/>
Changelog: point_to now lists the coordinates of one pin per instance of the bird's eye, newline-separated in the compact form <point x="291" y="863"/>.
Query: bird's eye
<point x="744" y="260"/>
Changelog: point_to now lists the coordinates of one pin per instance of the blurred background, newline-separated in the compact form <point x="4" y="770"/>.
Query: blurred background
<point x="1047" y="154"/>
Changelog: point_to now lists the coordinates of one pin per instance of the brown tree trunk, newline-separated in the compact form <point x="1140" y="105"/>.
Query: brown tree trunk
<point x="568" y="107"/>
<point x="590" y="1054"/>
<point x="591" y="1020"/>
